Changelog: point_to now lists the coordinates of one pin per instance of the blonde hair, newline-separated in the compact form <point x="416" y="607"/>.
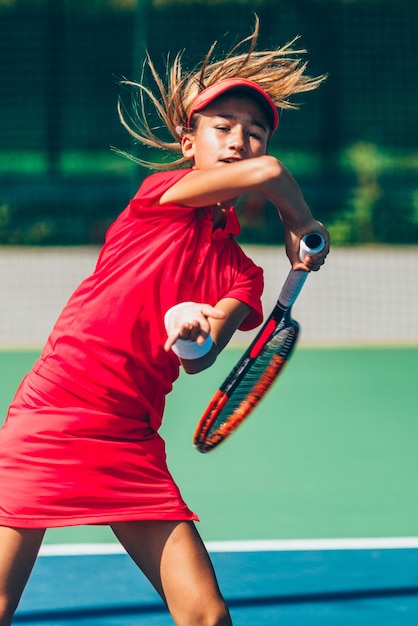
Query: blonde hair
<point x="280" y="72"/>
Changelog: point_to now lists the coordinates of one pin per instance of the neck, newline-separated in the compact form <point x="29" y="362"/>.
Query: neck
<point x="219" y="214"/>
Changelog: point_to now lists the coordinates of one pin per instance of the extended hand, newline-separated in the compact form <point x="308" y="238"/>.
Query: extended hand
<point x="189" y="321"/>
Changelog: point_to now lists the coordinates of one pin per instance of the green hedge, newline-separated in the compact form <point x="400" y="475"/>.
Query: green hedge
<point x="352" y="145"/>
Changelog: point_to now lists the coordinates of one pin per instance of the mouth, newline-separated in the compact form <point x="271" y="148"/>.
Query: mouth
<point x="230" y="160"/>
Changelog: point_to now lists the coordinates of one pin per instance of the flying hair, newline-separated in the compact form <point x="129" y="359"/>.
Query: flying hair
<point x="280" y="72"/>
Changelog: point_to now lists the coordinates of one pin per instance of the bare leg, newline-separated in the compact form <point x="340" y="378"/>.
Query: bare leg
<point x="18" y="552"/>
<point x="174" y="559"/>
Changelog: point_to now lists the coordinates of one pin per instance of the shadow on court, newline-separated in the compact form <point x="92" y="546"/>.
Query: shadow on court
<point x="339" y="587"/>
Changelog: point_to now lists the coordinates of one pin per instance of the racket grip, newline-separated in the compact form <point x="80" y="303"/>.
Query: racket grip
<point x="310" y="244"/>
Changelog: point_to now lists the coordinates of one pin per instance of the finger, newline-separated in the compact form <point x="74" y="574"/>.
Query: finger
<point x="301" y="265"/>
<point x="170" y="341"/>
<point x="201" y="337"/>
<point x="313" y="263"/>
<point x="197" y="331"/>
<point x="188" y="328"/>
<point x="210" y="311"/>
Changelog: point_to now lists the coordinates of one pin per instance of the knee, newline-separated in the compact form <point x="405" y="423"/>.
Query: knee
<point x="223" y="617"/>
<point x="215" y="615"/>
<point x="218" y="617"/>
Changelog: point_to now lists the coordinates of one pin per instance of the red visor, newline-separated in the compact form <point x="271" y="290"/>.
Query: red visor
<point x="242" y="84"/>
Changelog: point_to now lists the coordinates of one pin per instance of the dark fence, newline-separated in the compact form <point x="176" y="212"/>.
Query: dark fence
<point x="352" y="145"/>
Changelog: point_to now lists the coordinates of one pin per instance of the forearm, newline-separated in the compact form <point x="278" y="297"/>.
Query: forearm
<point x="284" y="192"/>
<point x="263" y="175"/>
<point x="279" y="186"/>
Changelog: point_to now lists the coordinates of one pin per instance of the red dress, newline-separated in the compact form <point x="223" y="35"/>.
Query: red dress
<point x="80" y="442"/>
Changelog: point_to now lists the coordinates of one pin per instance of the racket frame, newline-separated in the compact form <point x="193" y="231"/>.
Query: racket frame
<point x="278" y="320"/>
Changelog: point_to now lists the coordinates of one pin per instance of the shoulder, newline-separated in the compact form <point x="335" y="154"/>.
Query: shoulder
<point x="152" y="188"/>
<point x="156" y="184"/>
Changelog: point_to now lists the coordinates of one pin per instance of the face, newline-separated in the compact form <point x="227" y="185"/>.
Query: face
<point x="231" y="128"/>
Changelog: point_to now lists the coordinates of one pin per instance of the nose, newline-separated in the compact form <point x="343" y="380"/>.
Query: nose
<point x="237" y="139"/>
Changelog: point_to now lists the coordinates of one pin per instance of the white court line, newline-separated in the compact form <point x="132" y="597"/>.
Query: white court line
<point x="262" y="545"/>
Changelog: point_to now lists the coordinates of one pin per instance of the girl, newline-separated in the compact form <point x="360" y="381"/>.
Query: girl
<point x="80" y="444"/>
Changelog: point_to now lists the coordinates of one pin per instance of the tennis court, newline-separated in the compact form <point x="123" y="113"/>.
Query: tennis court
<point x="310" y="509"/>
<point x="318" y="587"/>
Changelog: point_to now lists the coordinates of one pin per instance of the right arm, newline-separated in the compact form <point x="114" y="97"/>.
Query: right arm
<point x="263" y="175"/>
<point x="217" y="184"/>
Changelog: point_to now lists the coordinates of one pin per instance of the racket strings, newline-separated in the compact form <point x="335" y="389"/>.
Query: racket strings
<point x="226" y="417"/>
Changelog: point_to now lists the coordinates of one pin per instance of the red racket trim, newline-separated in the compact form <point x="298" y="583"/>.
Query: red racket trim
<point x="262" y="339"/>
<point x="212" y="410"/>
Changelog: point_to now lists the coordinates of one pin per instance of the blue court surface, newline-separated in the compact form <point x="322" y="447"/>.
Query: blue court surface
<point x="283" y="583"/>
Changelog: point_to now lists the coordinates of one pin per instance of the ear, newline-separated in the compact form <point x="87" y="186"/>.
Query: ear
<point x="187" y="146"/>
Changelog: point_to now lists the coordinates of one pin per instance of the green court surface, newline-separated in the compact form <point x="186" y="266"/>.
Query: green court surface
<point x="331" y="452"/>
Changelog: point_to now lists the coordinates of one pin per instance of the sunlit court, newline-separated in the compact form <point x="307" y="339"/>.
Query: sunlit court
<point x="309" y="510"/>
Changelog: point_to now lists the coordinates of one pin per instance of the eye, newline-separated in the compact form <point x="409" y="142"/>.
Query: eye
<point x="255" y="135"/>
<point x="222" y="128"/>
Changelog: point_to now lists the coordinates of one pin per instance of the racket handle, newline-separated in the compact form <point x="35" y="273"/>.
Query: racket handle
<point x="310" y="244"/>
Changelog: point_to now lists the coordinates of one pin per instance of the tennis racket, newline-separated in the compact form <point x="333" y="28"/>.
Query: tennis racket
<point x="260" y="365"/>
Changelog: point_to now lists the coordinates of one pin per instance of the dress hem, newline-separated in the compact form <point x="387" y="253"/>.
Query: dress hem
<point x="91" y="520"/>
